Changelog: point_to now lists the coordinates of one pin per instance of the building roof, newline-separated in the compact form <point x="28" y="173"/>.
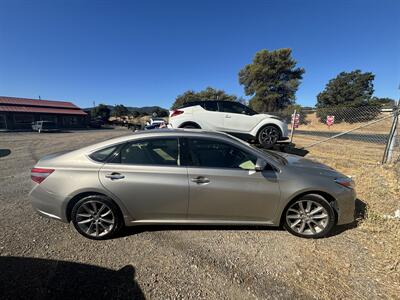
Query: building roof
<point x="12" y="104"/>
<point x="47" y="110"/>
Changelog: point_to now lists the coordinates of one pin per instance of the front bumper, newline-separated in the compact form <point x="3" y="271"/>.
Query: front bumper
<point x="345" y="206"/>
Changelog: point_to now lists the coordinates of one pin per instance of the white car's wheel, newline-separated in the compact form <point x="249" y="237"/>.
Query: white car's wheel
<point x="191" y="126"/>
<point x="268" y="136"/>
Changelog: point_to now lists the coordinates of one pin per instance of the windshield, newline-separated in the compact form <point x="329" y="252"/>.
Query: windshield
<point x="272" y="154"/>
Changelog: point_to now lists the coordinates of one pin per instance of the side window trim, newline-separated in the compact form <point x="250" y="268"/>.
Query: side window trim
<point x="220" y="107"/>
<point x="184" y="151"/>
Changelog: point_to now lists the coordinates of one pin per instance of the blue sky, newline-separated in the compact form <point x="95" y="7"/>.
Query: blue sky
<point x="141" y="53"/>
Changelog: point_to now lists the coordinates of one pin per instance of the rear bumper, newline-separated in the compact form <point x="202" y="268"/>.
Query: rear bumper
<point x="47" y="204"/>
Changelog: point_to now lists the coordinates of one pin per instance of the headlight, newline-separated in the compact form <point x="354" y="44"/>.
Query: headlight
<point x="346" y="182"/>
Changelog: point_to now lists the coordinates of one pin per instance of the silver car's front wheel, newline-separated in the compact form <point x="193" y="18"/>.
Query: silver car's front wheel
<point x="96" y="217"/>
<point x="310" y="216"/>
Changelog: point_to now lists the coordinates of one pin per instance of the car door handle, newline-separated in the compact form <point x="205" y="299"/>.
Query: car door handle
<point x="228" y="116"/>
<point x="200" y="179"/>
<point x="114" y="175"/>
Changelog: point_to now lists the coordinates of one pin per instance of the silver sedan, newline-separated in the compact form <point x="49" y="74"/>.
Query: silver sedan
<point x="189" y="177"/>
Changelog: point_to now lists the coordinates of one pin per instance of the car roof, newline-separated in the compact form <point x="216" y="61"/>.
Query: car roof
<point x="197" y="102"/>
<point x="165" y="132"/>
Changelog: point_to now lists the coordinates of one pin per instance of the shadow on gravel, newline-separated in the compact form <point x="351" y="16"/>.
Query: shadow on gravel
<point x="359" y="215"/>
<point x="33" y="278"/>
<point x="4" y="152"/>
<point x="127" y="231"/>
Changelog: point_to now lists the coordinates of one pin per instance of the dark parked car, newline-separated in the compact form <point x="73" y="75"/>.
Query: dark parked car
<point x="44" y="126"/>
<point x="96" y="124"/>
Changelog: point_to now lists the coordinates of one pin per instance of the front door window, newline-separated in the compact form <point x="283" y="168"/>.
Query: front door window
<point x="215" y="154"/>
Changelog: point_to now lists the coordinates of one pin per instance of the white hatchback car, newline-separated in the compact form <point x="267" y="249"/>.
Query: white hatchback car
<point x="233" y="118"/>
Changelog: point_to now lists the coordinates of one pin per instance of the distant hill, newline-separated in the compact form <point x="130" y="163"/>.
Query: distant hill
<point x="145" y="109"/>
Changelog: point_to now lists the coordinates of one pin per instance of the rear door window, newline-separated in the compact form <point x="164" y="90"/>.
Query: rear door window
<point x="210" y="105"/>
<point x="233" y="107"/>
<point x="236" y="108"/>
<point x="163" y="151"/>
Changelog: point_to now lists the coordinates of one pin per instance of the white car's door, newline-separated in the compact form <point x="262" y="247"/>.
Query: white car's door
<point x="208" y="115"/>
<point x="238" y="118"/>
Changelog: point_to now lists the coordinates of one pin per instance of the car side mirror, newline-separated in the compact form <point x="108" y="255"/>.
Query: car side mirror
<point x="261" y="164"/>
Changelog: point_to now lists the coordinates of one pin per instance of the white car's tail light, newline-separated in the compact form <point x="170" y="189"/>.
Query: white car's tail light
<point x="40" y="174"/>
<point x="176" y="112"/>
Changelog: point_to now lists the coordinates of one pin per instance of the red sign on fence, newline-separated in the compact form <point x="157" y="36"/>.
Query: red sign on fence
<point x="295" y="120"/>
<point x="330" y="120"/>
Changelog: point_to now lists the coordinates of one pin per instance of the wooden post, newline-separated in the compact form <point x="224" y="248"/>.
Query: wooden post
<point x="292" y="122"/>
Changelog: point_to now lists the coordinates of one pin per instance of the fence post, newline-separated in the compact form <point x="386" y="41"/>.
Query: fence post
<point x="387" y="155"/>
<point x="292" y="122"/>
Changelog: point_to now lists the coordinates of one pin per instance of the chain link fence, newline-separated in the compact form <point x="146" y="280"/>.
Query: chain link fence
<point x="358" y="134"/>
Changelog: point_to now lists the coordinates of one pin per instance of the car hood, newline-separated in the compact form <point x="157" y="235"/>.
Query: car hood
<point x="302" y="165"/>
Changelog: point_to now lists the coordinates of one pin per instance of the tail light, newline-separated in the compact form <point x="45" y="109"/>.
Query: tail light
<point x="176" y="112"/>
<point x="39" y="174"/>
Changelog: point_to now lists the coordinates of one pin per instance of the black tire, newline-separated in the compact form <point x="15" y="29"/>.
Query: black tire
<point x="327" y="223"/>
<point x="191" y="126"/>
<point x="80" y="217"/>
<point x="268" y="136"/>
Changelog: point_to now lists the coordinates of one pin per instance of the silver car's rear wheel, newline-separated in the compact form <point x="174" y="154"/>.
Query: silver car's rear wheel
<point x="96" y="217"/>
<point x="310" y="216"/>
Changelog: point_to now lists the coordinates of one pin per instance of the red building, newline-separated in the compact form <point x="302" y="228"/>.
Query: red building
<point x="19" y="113"/>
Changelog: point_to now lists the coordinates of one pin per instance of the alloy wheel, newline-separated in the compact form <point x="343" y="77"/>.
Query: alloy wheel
<point x="95" y="218"/>
<point x="307" y="217"/>
<point x="269" y="135"/>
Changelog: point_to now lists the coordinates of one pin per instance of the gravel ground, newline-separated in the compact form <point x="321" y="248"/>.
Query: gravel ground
<point x="45" y="259"/>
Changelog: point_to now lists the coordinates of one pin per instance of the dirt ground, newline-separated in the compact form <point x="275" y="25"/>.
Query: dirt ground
<point x="49" y="258"/>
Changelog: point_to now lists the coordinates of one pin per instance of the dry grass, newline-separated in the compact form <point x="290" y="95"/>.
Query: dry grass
<point x="313" y="124"/>
<point x="378" y="187"/>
